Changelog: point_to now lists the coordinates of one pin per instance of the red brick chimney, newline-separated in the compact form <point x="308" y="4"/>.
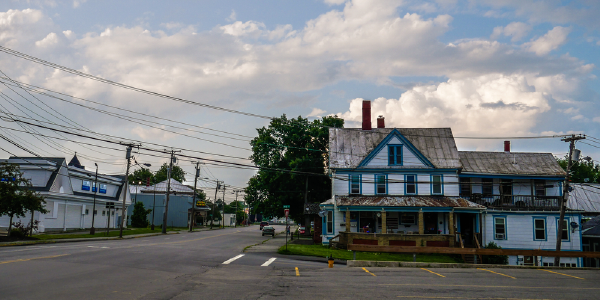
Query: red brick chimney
<point x="507" y="146"/>
<point x="380" y="122"/>
<point x="366" y="115"/>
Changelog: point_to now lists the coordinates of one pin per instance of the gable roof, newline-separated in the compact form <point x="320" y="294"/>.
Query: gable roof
<point x="510" y="163"/>
<point x="161" y="188"/>
<point x="348" y="147"/>
<point x="75" y="162"/>
<point x="591" y="227"/>
<point x="57" y="161"/>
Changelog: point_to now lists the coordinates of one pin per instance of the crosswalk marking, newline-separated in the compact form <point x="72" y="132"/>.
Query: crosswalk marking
<point x="232" y="259"/>
<point x="268" y="262"/>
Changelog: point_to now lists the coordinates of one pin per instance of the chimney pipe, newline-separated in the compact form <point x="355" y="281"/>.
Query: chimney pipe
<point x="507" y="146"/>
<point x="381" y="122"/>
<point x="366" y="115"/>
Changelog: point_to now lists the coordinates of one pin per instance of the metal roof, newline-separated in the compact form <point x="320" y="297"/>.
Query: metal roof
<point x="510" y="163"/>
<point x="585" y="196"/>
<point x="161" y="188"/>
<point x="591" y="227"/>
<point x="349" y="146"/>
<point x="406" y="201"/>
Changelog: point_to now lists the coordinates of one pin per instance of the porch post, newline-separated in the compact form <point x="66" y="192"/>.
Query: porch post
<point x="347" y="220"/>
<point x="421" y="222"/>
<point x="383" y="222"/>
<point x="451" y="222"/>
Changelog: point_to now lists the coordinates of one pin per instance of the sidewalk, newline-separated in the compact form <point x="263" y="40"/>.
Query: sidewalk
<point x="133" y="236"/>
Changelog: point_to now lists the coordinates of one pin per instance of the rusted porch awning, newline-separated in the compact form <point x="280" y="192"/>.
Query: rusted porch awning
<point x="407" y="201"/>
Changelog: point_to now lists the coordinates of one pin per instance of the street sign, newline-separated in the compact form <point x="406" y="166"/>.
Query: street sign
<point x="287" y="212"/>
<point x="286" y="207"/>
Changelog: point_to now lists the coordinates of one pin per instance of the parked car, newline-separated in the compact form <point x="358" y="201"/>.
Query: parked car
<point x="302" y="230"/>
<point x="268" y="230"/>
<point x="263" y="224"/>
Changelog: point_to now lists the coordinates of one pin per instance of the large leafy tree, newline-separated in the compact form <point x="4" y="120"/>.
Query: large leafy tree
<point x="297" y="145"/>
<point x="142" y="175"/>
<point x="16" y="197"/>
<point x="177" y="173"/>
<point x="583" y="171"/>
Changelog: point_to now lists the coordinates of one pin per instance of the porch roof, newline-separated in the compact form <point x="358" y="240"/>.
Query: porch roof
<point x="406" y="201"/>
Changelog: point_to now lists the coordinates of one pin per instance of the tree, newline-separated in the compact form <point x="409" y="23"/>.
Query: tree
<point x="495" y="259"/>
<point x="139" y="218"/>
<point x="290" y="145"/>
<point x="583" y="171"/>
<point x="177" y="173"/>
<point x="141" y="175"/>
<point x="16" y="197"/>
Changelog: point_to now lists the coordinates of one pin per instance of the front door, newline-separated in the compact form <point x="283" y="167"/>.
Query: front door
<point x="467" y="222"/>
<point x="431" y="222"/>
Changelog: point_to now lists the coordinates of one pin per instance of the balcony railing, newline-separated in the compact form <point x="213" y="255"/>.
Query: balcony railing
<point x="517" y="201"/>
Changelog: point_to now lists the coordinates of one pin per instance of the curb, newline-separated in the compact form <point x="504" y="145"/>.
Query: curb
<point x="58" y="241"/>
<point x="404" y="264"/>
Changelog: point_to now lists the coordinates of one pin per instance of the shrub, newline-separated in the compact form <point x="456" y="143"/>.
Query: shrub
<point x="495" y="259"/>
<point x="139" y="218"/>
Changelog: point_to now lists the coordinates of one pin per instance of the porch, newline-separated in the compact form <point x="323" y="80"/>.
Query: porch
<point x="515" y="201"/>
<point x="397" y="239"/>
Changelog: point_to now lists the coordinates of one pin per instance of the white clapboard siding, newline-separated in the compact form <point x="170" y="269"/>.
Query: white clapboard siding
<point x="396" y="184"/>
<point x="409" y="158"/>
<point x="451" y="185"/>
<point x="520" y="234"/>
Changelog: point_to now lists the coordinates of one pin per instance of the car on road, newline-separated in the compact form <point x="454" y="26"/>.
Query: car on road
<point x="263" y="224"/>
<point x="268" y="230"/>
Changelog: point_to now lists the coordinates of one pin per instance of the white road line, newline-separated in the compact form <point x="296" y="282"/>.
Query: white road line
<point x="268" y="262"/>
<point x="232" y="259"/>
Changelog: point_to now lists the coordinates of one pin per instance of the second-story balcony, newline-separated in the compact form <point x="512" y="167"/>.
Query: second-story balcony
<point x="515" y="201"/>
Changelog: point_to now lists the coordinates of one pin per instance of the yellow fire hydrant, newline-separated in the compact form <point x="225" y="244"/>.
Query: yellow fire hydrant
<point x="330" y="262"/>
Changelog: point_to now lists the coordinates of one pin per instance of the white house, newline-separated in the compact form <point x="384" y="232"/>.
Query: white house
<point x="69" y="191"/>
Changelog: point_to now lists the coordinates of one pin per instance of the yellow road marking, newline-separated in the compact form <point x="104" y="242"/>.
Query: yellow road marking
<point x="496" y="273"/>
<point x="27" y="259"/>
<point x="369" y="272"/>
<point x="297" y="272"/>
<point x="483" y="286"/>
<point x="433" y="272"/>
<point x="427" y="297"/>
<point x="562" y="274"/>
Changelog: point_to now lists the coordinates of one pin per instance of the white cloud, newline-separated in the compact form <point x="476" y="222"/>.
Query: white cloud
<point x="334" y="2"/>
<point x="556" y="37"/>
<point x="69" y="34"/>
<point x="596" y="119"/>
<point x="152" y="133"/>
<point x="232" y="17"/>
<point x="243" y="29"/>
<point x="76" y="3"/>
<point x="316" y="112"/>
<point x="516" y="30"/>
<point x="50" y="40"/>
<point x="172" y="25"/>
<point x="486" y="105"/>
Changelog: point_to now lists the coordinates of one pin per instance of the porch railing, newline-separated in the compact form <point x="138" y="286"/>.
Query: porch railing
<point x="518" y="201"/>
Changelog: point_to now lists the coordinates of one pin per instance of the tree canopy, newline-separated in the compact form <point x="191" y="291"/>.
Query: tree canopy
<point x="583" y="171"/>
<point x="142" y="175"/>
<point x="297" y="145"/>
<point x="177" y="173"/>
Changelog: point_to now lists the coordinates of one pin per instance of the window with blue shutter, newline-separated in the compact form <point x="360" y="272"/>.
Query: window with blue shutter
<point x="395" y="155"/>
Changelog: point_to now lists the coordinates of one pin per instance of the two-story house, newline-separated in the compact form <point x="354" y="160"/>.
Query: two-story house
<point x="412" y="187"/>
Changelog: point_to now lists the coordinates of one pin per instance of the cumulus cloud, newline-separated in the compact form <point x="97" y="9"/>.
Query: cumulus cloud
<point x="50" y="40"/>
<point x="556" y="37"/>
<point x="334" y="2"/>
<point x="239" y="28"/>
<point x="316" y="112"/>
<point x="77" y="3"/>
<point x="516" y="30"/>
<point x="485" y="105"/>
<point x="232" y="17"/>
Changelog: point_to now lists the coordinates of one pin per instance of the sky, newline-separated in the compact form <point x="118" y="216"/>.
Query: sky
<point x="497" y="68"/>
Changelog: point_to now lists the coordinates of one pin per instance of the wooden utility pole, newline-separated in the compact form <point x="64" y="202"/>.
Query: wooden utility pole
<point x="223" y="215"/>
<point x="125" y="190"/>
<point x="193" y="213"/>
<point x="166" y="211"/>
<point x="563" y="201"/>
<point x="212" y="220"/>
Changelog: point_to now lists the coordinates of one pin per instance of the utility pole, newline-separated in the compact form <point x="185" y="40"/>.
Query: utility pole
<point x="306" y="218"/>
<point x="212" y="220"/>
<point x="192" y="215"/>
<point x="563" y="201"/>
<point x="153" y="206"/>
<point x="223" y="215"/>
<point x="236" y="207"/>
<point x="125" y="190"/>
<point x="92" y="229"/>
<point x="166" y="211"/>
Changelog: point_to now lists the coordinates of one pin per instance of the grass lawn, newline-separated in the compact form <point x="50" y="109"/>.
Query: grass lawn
<point x="101" y="233"/>
<point x="323" y="251"/>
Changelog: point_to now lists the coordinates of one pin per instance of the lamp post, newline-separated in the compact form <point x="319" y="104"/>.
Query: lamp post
<point x="92" y="229"/>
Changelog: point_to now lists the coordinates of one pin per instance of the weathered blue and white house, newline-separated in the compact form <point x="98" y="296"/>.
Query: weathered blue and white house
<point x="412" y="187"/>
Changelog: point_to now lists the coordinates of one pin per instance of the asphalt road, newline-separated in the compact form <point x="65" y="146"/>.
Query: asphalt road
<point x="210" y="265"/>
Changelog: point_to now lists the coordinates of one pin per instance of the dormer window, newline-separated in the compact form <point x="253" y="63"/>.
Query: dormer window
<point x="395" y="155"/>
